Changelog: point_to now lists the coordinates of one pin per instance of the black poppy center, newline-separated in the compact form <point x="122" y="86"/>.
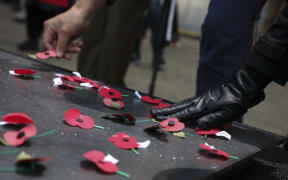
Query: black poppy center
<point x="20" y="135"/>
<point x="126" y="140"/>
<point x="111" y="93"/>
<point x="114" y="99"/>
<point x="171" y="123"/>
<point x="79" y="120"/>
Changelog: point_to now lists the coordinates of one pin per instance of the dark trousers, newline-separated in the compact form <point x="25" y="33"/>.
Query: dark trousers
<point x="37" y="13"/>
<point x="151" y="21"/>
<point x="226" y="41"/>
<point x="110" y="40"/>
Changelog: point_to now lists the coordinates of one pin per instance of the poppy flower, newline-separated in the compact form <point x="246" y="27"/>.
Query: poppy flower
<point x="74" y="118"/>
<point x="26" y="158"/>
<point x="19" y="137"/>
<point x="127" y="117"/>
<point x="46" y="54"/>
<point x="17" y="118"/>
<point x="172" y="125"/>
<point x="107" y="92"/>
<point x="161" y="105"/>
<point x="150" y="100"/>
<point x="57" y="82"/>
<point x="98" y="158"/>
<point x="123" y="141"/>
<point x="213" y="150"/>
<point x="207" y="132"/>
<point x="27" y="73"/>
<point x="113" y="103"/>
<point x="67" y="78"/>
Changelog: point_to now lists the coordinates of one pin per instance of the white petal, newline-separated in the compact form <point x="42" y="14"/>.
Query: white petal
<point x="110" y="158"/>
<point x="224" y="134"/>
<point x="144" y="144"/>
<point x="57" y="82"/>
<point x="77" y="74"/>
<point x="58" y="74"/>
<point x="138" y="94"/>
<point x="212" y="147"/>
<point x="88" y="85"/>
<point x="3" y="123"/>
<point x="13" y="73"/>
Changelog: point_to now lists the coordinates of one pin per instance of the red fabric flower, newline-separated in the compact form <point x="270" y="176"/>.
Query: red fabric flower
<point x="172" y="125"/>
<point x="86" y="80"/>
<point x="46" y="54"/>
<point x="24" y="72"/>
<point x="98" y="158"/>
<point x="123" y="141"/>
<point x="67" y="78"/>
<point x="161" y="105"/>
<point x="114" y="104"/>
<point x="150" y="100"/>
<point x="58" y="3"/>
<point x="151" y="116"/>
<point x="74" y="118"/>
<point x="17" y="118"/>
<point x="214" y="151"/>
<point x="107" y="92"/>
<point x="207" y="132"/>
<point x="19" y="137"/>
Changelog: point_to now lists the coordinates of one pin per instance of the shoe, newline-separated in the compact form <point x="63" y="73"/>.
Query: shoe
<point x="29" y="45"/>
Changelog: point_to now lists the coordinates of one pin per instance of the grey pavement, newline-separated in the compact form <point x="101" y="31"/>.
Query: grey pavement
<point x="175" y="83"/>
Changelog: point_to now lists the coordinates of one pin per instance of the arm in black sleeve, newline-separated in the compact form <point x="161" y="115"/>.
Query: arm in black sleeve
<point x="110" y="2"/>
<point x="270" y="54"/>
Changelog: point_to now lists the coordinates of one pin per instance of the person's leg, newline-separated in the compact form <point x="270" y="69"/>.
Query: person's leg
<point x="32" y="27"/>
<point x="225" y="42"/>
<point x="154" y="16"/>
<point x="123" y="24"/>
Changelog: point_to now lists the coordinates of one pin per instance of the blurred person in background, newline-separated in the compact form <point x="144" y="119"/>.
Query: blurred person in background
<point x="37" y="11"/>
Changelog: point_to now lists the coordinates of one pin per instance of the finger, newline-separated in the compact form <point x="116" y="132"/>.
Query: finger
<point x="48" y="36"/>
<point x="71" y="49"/>
<point x="218" y="118"/>
<point x="174" y="107"/>
<point x="62" y="43"/>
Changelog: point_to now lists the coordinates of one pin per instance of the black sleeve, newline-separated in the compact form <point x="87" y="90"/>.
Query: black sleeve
<point x="270" y="54"/>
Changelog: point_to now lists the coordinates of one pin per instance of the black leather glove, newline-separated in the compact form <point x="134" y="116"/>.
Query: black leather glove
<point x="217" y="106"/>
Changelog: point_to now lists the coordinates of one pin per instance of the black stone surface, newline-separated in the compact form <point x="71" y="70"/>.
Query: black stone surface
<point x="175" y="159"/>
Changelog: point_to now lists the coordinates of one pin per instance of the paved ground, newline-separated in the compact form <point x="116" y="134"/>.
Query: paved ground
<point x="175" y="83"/>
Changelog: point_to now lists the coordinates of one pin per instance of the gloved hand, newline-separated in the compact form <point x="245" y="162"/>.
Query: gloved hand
<point x="217" y="106"/>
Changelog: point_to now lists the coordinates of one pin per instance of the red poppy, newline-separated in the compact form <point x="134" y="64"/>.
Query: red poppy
<point x="161" y="105"/>
<point x="150" y="100"/>
<point x="151" y="116"/>
<point x="127" y="117"/>
<point x="123" y="141"/>
<point x="207" y="132"/>
<point x="26" y="158"/>
<point x="98" y="158"/>
<point x="67" y="78"/>
<point x="213" y="150"/>
<point x="24" y="72"/>
<point x="17" y="118"/>
<point x="87" y="80"/>
<point x="172" y="125"/>
<point x="112" y="103"/>
<point x="19" y="137"/>
<point x="107" y="92"/>
<point x="74" y="118"/>
<point x="46" y="54"/>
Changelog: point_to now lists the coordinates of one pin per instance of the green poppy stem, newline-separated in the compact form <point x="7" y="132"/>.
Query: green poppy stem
<point x="205" y="136"/>
<point x="125" y="95"/>
<point x="136" y="152"/>
<point x="188" y="134"/>
<point x="234" y="157"/>
<point x="8" y="169"/>
<point x="45" y="134"/>
<point x="37" y="77"/>
<point x="99" y="127"/>
<point x="123" y="174"/>
<point x="78" y="88"/>
<point x="145" y="120"/>
<point x="9" y="152"/>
